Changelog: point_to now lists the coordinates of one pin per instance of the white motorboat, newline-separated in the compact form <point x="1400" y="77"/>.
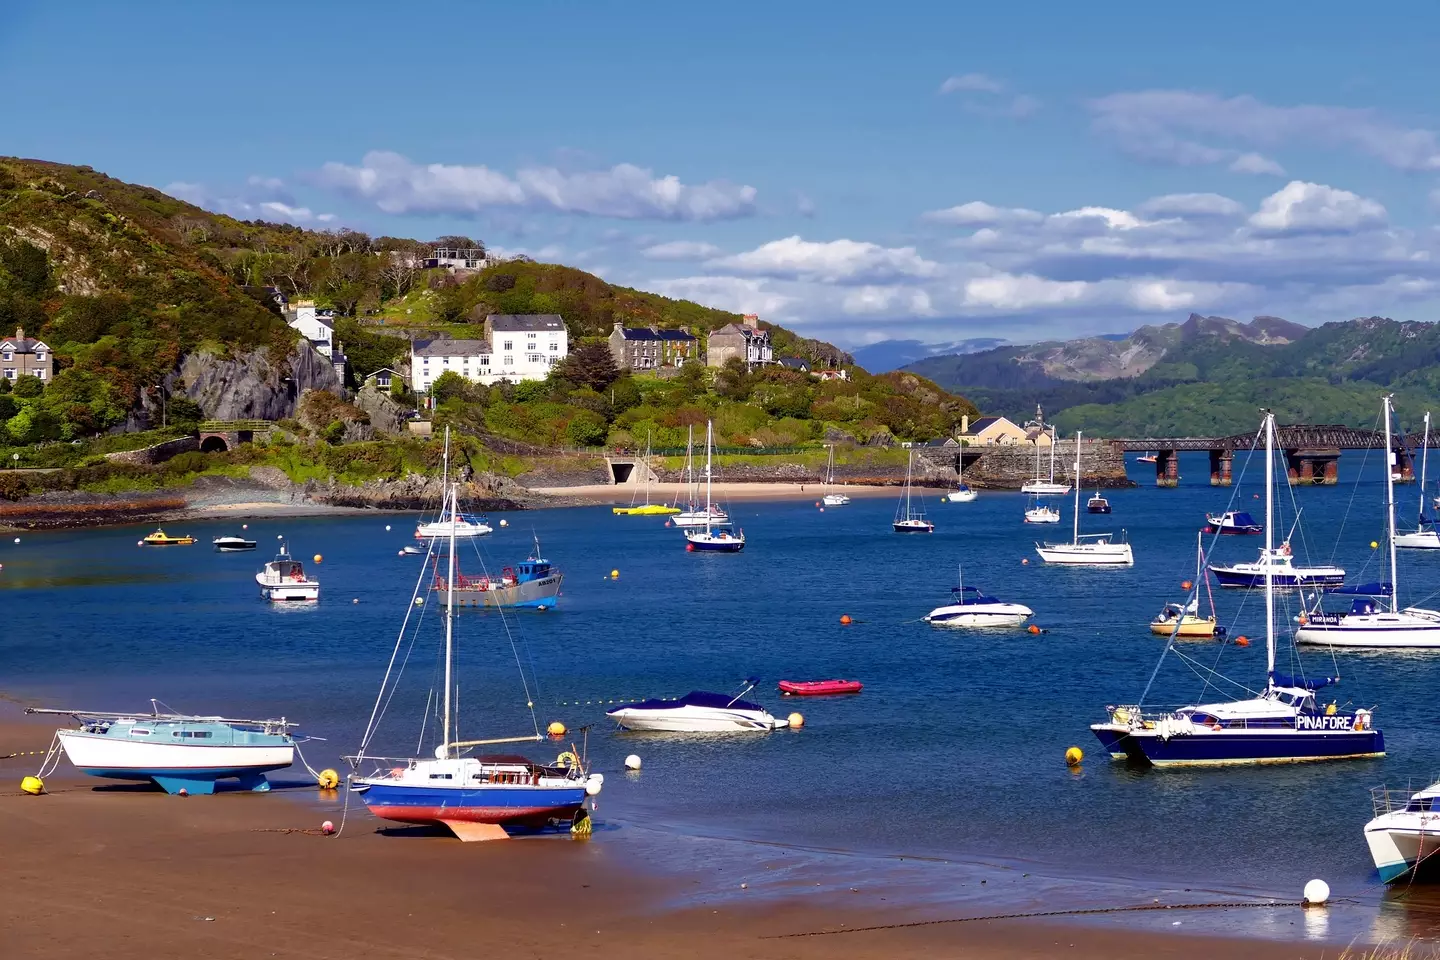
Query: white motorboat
<point x="699" y="712"/>
<point x="232" y="544"/>
<point x="908" y="519"/>
<point x="971" y="607"/>
<point x="467" y="525"/>
<point x="832" y="497"/>
<point x="1090" y="549"/>
<point x="1424" y="536"/>
<point x="1040" y="513"/>
<point x="284" y="579"/>
<point x="1405" y="832"/>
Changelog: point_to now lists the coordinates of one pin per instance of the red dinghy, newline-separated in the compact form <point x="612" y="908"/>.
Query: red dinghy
<point x="818" y="688"/>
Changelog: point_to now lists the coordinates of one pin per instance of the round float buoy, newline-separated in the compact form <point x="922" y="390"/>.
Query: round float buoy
<point x="845" y="619"/>
<point x="1242" y="641"/>
<point x="542" y="608"/>
<point x="1033" y="628"/>
<point x="817" y="503"/>
<point x="1316" y="893"/>
<point x="689" y="548"/>
<point x="244" y="526"/>
<point x="327" y="828"/>
<point x="504" y="523"/>
<point x="796" y="721"/>
<point x="419" y="601"/>
<point x="328" y="779"/>
<point x="1185" y="584"/>
<point x="822" y="509"/>
<point x="1025" y="562"/>
<point x="669" y="524"/>
<point x="387" y="528"/>
<point x="556" y="729"/>
<point x="614" y="574"/>
<point x="632" y="762"/>
<point x="1374" y="545"/>
<point x="318" y="558"/>
<point x="1073" y="756"/>
<point x="356" y="600"/>
<point x="399" y="553"/>
<point x="139" y="543"/>
<point x="183" y="792"/>
<point x="33" y="786"/>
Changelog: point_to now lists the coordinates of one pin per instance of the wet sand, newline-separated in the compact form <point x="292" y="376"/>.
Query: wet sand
<point x="94" y="870"/>
<point x="725" y="491"/>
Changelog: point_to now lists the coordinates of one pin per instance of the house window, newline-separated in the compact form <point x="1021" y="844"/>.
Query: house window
<point x="9" y="357"/>
<point x="509" y="361"/>
<point x="40" y="374"/>
<point x="485" y="361"/>
<point x="509" y="345"/>
<point x="9" y="373"/>
<point x="554" y="346"/>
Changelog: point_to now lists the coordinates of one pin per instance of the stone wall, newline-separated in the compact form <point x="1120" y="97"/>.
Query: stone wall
<point x="1007" y="467"/>
<point x="157" y="453"/>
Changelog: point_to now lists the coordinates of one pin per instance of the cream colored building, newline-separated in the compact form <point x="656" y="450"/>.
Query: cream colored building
<point x="999" y="431"/>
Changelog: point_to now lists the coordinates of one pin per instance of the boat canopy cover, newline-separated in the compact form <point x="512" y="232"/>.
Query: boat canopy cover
<point x="695" y="698"/>
<point x="1303" y="683"/>
<point x="972" y="595"/>
<point x="1364" y="590"/>
<point x="1241" y="519"/>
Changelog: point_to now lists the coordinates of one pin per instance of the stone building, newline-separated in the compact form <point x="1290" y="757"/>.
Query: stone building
<point x="21" y="356"/>
<point x="647" y="348"/>
<point x="747" y="343"/>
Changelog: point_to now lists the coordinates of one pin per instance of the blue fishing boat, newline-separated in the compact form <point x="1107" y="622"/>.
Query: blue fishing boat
<point x="718" y="536"/>
<point x="1283" y="723"/>
<point x="1235" y="522"/>
<point x="531" y="583"/>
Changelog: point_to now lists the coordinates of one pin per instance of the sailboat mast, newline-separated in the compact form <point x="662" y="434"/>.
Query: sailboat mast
<point x="909" y="465"/>
<point x="1390" y="508"/>
<point x="449" y="599"/>
<point x="1075" y="533"/>
<point x="1052" y="456"/>
<point x="1424" y="462"/>
<point x="1269" y="549"/>
<point x="709" y="438"/>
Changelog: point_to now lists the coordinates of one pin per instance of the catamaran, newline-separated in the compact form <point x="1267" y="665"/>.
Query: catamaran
<point x="832" y="497"/>
<point x="1046" y="488"/>
<point x="691" y="513"/>
<point x="717" y="536"/>
<point x="907" y="518"/>
<point x="1369" y="623"/>
<point x="475" y="797"/>
<point x="1091" y="549"/>
<point x="1421" y="538"/>
<point x="1281" y="724"/>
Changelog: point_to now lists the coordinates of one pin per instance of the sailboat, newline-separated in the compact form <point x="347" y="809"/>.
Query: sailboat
<point x="832" y="498"/>
<point x="1046" y="488"/>
<point x="962" y="492"/>
<point x="693" y="515"/>
<point x="1041" y="513"/>
<point x="717" y="537"/>
<point x="1421" y="538"/>
<point x="1091" y="549"/>
<point x="475" y="797"/>
<point x="1280" y="724"/>
<point x="907" y="518"/>
<point x="1183" y="619"/>
<point x="1368" y="623"/>
<point x="646" y="509"/>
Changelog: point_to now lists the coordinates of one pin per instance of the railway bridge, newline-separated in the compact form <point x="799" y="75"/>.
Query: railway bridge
<point x="1312" y="452"/>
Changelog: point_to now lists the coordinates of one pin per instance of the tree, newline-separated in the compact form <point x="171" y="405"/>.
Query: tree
<point x="183" y="413"/>
<point x="586" y="429"/>
<point x="5" y="386"/>
<point x="733" y="381"/>
<point x="28" y="388"/>
<point x="590" y="365"/>
<point x="448" y="386"/>
<point x="457" y="242"/>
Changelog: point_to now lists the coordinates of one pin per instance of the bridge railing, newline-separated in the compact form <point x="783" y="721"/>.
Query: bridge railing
<point x="235" y="426"/>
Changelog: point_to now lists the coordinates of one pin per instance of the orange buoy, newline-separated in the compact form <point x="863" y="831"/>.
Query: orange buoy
<point x="1185" y="584"/>
<point x="1034" y="629"/>
<point x="1242" y="641"/>
<point x="817" y="503"/>
<point x="845" y="619"/>
<point x="669" y="524"/>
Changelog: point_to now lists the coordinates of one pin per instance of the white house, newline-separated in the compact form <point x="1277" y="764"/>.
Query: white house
<point x="516" y="347"/>
<point x="317" y="326"/>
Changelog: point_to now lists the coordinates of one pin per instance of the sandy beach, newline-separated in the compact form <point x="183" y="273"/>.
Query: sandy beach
<point x="95" y="869"/>
<point x="668" y="492"/>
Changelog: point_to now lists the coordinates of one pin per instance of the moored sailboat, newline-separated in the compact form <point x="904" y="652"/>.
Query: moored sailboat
<point x="1046" y="487"/>
<point x="692" y="514"/>
<point x="1183" y="619"/>
<point x="717" y="535"/>
<point x="1424" y="536"/>
<point x="646" y="509"/>
<point x="1091" y="549"/>
<point x="832" y="498"/>
<point x="907" y="518"/>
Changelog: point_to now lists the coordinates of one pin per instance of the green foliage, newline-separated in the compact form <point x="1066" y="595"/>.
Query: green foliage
<point x="28" y="388"/>
<point x="586" y="429"/>
<point x="589" y="365"/>
<point x="448" y="386"/>
<point x="182" y="413"/>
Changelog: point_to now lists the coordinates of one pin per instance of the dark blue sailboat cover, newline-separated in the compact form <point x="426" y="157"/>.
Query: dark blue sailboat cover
<point x="1364" y="590"/>
<point x="1243" y="519"/>
<point x="972" y="595"/>
<point x="1304" y="683"/>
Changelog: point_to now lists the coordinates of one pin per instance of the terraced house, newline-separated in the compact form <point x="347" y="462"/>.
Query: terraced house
<point x="647" y="348"/>
<point x="21" y="356"/>
<point x="516" y="347"/>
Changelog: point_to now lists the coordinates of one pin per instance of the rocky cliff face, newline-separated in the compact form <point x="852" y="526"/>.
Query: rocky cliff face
<point x="254" y="385"/>
<point x="386" y="416"/>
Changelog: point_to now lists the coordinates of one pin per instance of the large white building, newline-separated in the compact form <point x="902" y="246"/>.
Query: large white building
<point x="516" y="347"/>
<point x="317" y="326"/>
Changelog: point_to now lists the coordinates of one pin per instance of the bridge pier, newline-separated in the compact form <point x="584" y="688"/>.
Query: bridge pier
<point x="1313" y="467"/>
<point x="1167" y="468"/>
<point x="1222" y="465"/>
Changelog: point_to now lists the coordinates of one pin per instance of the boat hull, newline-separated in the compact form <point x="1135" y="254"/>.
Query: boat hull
<point x="236" y="546"/>
<point x="692" y="520"/>
<point x="1192" y="627"/>
<point x="1397" y="849"/>
<point x="688" y="720"/>
<point x="1094" y="509"/>
<point x="962" y="496"/>
<point x="1045" y="489"/>
<point x="1234" y="747"/>
<point x="1236" y="531"/>
<point x="979" y="615"/>
<point x="818" y="688"/>
<point x="289" y="592"/>
<point x="652" y="510"/>
<point x="529" y="594"/>
<point x="1087" y="555"/>
<point x="1236" y="577"/>
<point x="913" y="527"/>
<point x="1380" y="630"/>
<point x="835" y="500"/>
<point x="703" y="543"/>
<point x="512" y="805"/>
<point x="1418" y="540"/>
<point x="174" y="765"/>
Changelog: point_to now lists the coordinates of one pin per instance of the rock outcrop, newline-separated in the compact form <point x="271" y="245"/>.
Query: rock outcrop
<point x="386" y="416"/>
<point x="252" y="385"/>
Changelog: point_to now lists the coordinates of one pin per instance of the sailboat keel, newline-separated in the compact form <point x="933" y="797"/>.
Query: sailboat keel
<point x="475" y="832"/>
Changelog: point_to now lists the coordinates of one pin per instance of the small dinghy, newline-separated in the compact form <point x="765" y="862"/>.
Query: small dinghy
<point x="818" y="688"/>
<point x="232" y="544"/>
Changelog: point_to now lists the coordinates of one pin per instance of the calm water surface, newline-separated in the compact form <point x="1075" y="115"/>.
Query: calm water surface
<point x="953" y="750"/>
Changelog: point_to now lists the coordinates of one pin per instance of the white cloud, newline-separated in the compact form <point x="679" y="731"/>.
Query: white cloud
<point x="396" y="185"/>
<point x="737" y="294"/>
<point x="259" y="198"/>
<point x="1114" y="219"/>
<point x="1313" y="207"/>
<point x="883" y="301"/>
<point x="973" y="82"/>
<point x="978" y="213"/>
<point x="1005" y="291"/>
<point x="680" y="250"/>
<point x="1256" y="163"/>
<point x="835" y="261"/>
<point x="989" y="96"/>
<point x="1191" y="205"/>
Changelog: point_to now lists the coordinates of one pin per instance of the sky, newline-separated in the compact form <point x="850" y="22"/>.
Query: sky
<point x="857" y="172"/>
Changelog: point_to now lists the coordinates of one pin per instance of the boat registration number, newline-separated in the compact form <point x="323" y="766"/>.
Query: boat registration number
<point x="1337" y="722"/>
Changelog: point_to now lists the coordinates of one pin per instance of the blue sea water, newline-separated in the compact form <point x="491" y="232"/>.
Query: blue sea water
<point x="954" y="749"/>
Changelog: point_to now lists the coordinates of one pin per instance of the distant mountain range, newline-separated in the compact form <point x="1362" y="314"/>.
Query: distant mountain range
<point x="1207" y="374"/>
<point x="890" y="355"/>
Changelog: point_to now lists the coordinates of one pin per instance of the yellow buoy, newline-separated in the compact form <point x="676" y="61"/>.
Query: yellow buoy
<point x="318" y="558"/>
<point x="556" y="728"/>
<point x="1074" y="755"/>
<point x="1374" y="545"/>
<point x="328" y="779"/>
<point x="33" y="786"/>
<point x="614" y="574"/>
<point x="796" y="721"/>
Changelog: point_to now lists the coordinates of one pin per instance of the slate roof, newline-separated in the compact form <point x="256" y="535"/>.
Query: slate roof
<point x="22" y="344"/>
<point x="449" y="348"/>
<point x="652" y="333"/>
<point x="976" y="426"/>
<point x="524" y="322"/>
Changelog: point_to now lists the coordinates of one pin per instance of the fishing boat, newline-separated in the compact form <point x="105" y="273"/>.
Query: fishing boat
<point x="969" y="606"/>
<point x="1405" y="833"/>
<point x="1233" y="522"/>
<point x="232" y="544"/>
<point x="162" y="539"/>
<point x="1097" y="504"/>
<point x="1046" y="487"/>
<point x="963" y="493"/>
<point x="832" y="498"/>
<point x="466" y="526"/>
<point x="284" y="579"/>
<point x="646" y="509"/>
<point x="907" y="518"/>
<point x="1090" y="549"/>
<point x="819" y="688"/>
<point x="1183" y="619"/>
<point x="1283" y="723"/>
<point x="693" y="513"/>
<point x="178" y="752"/>
<point x="1369" y="623"/>
<point x="531" y="583"/>
<point x="475" y="797"/>
<point x="1276" y="566"/>
<point x="1424" y="536"/>
<point x="717" y="536"/>
<point x="1041" y="513"/>
<point x="699" y="712"/>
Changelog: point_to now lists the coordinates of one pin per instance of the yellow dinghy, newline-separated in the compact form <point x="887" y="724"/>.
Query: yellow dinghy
<point x="645" y="510"/>
<point x="161" y="539"/>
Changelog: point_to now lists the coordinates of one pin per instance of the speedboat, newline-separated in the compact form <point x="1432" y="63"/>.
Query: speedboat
<point x="969" y="607"/>
<point x="466" y="525"/>
<point x="1232" y="522"/>
<point x="532" y="583"/>
<point x="698" y="712"/>
<point x="176" y="751"/>
<point x="284" y="579"/>
<point x="232" y="544"/>
<point x="1282" y="570"/>
<point x="1042" y="514"/>
<point x="161" y="539"/>
<point x="1147" y="458"/>
<point x="1405" y="833"/>
<point x="1097" y="504"/>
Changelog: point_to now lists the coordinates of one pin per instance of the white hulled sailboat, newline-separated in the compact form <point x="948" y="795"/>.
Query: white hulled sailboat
<point x="1421" y="538"/>
<point x="907" y="518"/>
<point x="1091" y="549"/>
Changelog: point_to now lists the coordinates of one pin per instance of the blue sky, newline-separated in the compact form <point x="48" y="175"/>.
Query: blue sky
<point x="856" y="171"/>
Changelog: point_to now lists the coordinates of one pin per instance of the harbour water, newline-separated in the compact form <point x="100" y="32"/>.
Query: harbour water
<point x="953" y="752"/>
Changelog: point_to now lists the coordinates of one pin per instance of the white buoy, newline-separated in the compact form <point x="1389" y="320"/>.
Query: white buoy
<point x="387" y="528"/>
<point x="279" y="536"/>
<point x="17" y="539"/>
<point x="1316" y="893"/>
<point x="244" y="526"/>
<point x="632" y="762"/>
<point x="419" y="601"/>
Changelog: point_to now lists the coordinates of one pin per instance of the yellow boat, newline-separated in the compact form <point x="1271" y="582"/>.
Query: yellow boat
<point x="645" y="510"/>
<point x="161" y="539"/>
<point x="1190" y="625"/>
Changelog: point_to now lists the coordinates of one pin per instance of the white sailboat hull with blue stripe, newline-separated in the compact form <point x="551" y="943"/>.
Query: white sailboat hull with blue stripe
<point x="1404" y="836"/>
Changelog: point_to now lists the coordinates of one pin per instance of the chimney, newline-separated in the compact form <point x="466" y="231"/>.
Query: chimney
<point x="20" y="333"/>
<point x="964" y="424"/>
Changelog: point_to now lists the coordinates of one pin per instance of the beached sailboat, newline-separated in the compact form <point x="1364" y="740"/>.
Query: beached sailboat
<point x="1281" y="724"/>
<point x="1183" y="619"/>
<point x="176" y="751"/>
<point x="832" y="497"/>
<point x="717" y="536"/>
<point x="907" y="518"/>
<point x="1046" y="487"/>
<point x="284" y="579"/>
<point x="1368" y="623"/>
<point x="971" y="607"/>
<point x="692" y="513"/>
<point x="1424" y="536"/>
<point x="646" y="509"/>
<point x="1090" y="549"/>
<point x="475" y="797"/>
